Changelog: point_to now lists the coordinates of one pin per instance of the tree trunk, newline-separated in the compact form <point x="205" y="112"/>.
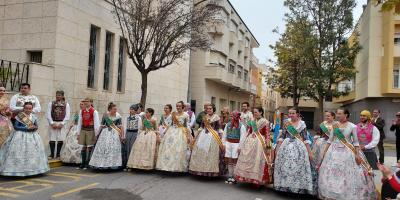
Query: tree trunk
<point x="143" y="87"/>
<point x="320" y="111"/>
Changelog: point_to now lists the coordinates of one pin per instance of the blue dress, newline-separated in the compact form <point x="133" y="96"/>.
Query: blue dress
<point x="23" y="153"/>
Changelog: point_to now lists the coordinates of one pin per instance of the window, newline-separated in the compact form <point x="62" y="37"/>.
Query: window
<point x="247" y="43"/>
<point x="213" y="100"/>
<point x="231" y="68"/>
<point x="121" y="65"/>
<point x="345" y="86"/>
<point x="233" y="27"/>
<point x="240" y="69"/>
<point x="246" y="75"/>
<point x="397" y="40"/>
<point x="94" y="31"/>
<point x="107" y="61"/>
<point x="396" y="79"/>
<point x="241" y="35"/>
<point x="232" y="105"/>
<point x="35" y="56"/>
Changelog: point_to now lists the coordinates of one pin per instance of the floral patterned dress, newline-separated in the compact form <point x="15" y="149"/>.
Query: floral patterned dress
<point x="206" y="155"/>
<point x="293" y="171"/>
<point x="71" y="150"/>
<point x="339" y="176"/>
<point x="174" y="152"/>
<point x="143" y="155"/>
<point x="252" y="164"/>
<point x="107" y="152"/>
<point x="23" y="152"/>
<point x="320" y="143"/>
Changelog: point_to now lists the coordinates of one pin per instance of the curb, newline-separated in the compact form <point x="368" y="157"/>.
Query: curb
<point x="55" y="163"/>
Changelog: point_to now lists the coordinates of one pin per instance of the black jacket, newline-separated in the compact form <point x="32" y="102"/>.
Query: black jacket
<point x="396" y="128"/>
<point x="380" y="124"/>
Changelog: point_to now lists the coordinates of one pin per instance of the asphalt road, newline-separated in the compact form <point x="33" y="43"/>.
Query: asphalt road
<point x="69" y="183"/>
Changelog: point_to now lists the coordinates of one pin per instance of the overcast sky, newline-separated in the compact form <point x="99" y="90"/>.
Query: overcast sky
<point x="262" y="16"/>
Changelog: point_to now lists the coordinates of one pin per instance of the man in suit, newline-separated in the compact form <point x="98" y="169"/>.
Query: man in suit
<point x="379" y="123"/>
<point x="396" y="127"/>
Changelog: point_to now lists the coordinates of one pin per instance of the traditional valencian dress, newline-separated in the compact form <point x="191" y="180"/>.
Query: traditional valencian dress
<point x="5" y="123"/>
<point x="107" y="152"/>
<point x="339" y="176"/>
<point x="133" y="123"/>
<point x="173" y="153"/>
<point x="320" y="142"/>
<point x="293" y="171"/>
<point x="71" y="150"/>
<point x="256" y="156"/>
<point x="143" y="154"/>
<point x="207" y="151"/>
<point x="23" y="153"/>
<point x="165" y="122"/>
<point x="58" y="113"/>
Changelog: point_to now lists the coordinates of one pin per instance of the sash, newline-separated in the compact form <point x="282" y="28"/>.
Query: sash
<point x="344" y="141"/>
<point x="292" y="130"/>
<point x="324" y="129"/>
<point x="260" y="139"/>
<point x="110" y="123"/>
<point x="176" y="122"/>
<point x="214" y="133"/>
<point x="25" y="119"/>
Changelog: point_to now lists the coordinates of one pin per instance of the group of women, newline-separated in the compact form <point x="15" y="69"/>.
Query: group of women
<point x="331" y="168"/>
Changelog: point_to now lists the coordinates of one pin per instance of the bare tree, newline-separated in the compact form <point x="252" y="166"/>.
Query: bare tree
<point x="160" y="32"/>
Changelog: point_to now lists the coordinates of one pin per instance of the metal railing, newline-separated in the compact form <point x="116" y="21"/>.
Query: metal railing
<point x="12" y="74"/>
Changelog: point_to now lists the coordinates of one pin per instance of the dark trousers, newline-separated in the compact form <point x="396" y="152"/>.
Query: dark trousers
<point x="398" y="148"/>
<point x="381" y="151"/>
<point x="387" y="191"/>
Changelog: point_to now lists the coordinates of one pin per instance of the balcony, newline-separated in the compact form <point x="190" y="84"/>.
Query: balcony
<point x="12" y="74"/>
<point x="253" y="89"/>
<point x="342" y="99"/>
<point x="233" y="39"/>
<point x="223" y="76"/>
<point x="396" y="50"/>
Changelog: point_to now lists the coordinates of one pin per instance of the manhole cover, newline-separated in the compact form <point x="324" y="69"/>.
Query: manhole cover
<point x="108" y="194"/>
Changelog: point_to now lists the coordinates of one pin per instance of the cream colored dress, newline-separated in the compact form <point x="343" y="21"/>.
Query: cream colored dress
<point x="205" y="159"/>
<point x="143" y="154"/>
<point x="173" y="154"/>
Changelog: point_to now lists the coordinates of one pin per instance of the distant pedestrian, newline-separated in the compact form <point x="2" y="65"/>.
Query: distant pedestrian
<point x="396" y="127"/>
<point x="379" y="123"/>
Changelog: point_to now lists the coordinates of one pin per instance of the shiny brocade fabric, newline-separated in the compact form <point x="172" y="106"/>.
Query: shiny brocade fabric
<point x="252" y="166"/>
<point x="144" y="149"/>
<point x="173" y="153"/>
<point x="205" y="159"/>
<point x="292" y="171"/>
<point x="23" y="153"/>
<point x="107" y="152"/>
<point x="71" y="150"/>
<point x="339" y="176"/>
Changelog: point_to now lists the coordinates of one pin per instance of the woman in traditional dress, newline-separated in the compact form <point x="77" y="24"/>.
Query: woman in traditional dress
<point x="145" y="147"/>
<point x="166" y="120"/>
<point x="5" y="114"/>
<point x="173" y="153"/>
<point x="255" y="160"/>
<point x="321" y="140"/>
<point x="107" y="152"/>
<point x="292" y="171"/>
<point x="342" y="175"/>
<point x="71" y="150"/>
<point x="207" y="151"/>
<point x="23" y="153"/>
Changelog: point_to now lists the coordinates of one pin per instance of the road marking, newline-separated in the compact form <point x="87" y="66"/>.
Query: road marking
<point x="76" y="174"/>
<point x="6" y="194"/>
<point x="74" y="190"/>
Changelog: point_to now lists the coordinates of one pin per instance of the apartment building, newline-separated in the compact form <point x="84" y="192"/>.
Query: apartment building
<point x="221" y="75"/>
<point x="377" y="83"/>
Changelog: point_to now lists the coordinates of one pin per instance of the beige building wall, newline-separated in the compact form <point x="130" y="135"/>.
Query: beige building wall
<point x="61" y="30"/>
<point x="223" y="71"/>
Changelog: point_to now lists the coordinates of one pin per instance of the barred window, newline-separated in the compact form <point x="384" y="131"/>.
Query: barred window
<point x="107" y="61"/>
<point x="121" y="65"/>
<point x="93" y="51"/>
